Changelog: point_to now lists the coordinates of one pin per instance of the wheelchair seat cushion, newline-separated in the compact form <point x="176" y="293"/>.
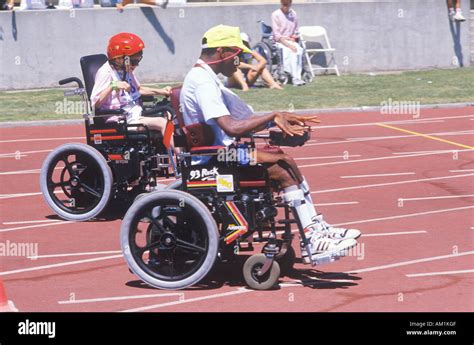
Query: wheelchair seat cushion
<point x="200" y="150"/>
<point x="114" y="119"/>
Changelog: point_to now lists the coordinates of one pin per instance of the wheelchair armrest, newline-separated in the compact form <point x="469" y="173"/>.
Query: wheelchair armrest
<point x="277" y="138"/>
<point x="147" y="98"/>
<point x="108" y="112"/>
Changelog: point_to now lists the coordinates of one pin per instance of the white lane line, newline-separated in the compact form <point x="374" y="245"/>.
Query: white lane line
<point x="415" y="152"/>
<point x="451" y="133"/>
<point x="390" y="183"/>
<point x="31" y="171"/>
<point x="381" y="158"/>
<point x="120" y="298"/>
<point x="413" y="275"/>
<point x="464" y="170"/>
<point x="38" y="139"/>
<point x="437" y="197"/>
<point x="20" y="195"/>
<point x="74" y="254"/>
<point x="411" y="262"/>
<point x="62" y="264"/>
<point x="365" y="235"/>
<point x="378" y="175"/>
<point x="17" y="157"/>
<point x="355" y="140"/>
<point x="18" y="153"/>
<point x="414" y="121"/>
<point x="405" y="215"/>
<point x="203" y="298"/>
<point x="325" y="157"/>
<point x="19" y="172"/>
<point x="32" y="221"/>
<point x="338" y="203"/>
<point x="37" y="226"/>
<point x="395" y="233"/>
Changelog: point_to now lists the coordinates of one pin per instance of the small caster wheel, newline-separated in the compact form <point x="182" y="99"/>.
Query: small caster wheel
<point x="264" y="282"/>
<point x="286" y="257"/>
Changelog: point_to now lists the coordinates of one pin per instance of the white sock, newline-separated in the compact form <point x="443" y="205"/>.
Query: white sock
<point x="295" y="197"/>
<point x="458" y="10"/>
<point x="309" y="201"/>
<point x="451" y="10"/>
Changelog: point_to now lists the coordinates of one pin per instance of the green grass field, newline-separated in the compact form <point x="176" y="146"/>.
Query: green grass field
<point x="427" y="87"/>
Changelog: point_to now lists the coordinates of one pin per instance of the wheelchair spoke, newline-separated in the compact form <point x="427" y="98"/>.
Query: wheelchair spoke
<point x="150" y="246"/>
<point x="59" y="184"/>
<point x="170" y="264"/>
<point x="68" y="166"/>
<point x="189" y="246"/>
<point x="90" y="190"/>
<point x="157" y="224"/>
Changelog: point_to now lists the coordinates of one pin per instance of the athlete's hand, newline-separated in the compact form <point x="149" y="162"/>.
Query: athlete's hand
<point x="289" y="128"/>
<point x="301" y="120"/>
<point x="123" y="85"/>
<point x="166" y="91"/>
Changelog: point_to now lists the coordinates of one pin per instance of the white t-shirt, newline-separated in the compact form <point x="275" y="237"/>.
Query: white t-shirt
<point x="204" y="99"/>
<point x="120" y="99"/>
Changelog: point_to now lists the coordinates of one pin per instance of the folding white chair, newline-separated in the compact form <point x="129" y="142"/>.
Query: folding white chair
<point x="313" y="34"/>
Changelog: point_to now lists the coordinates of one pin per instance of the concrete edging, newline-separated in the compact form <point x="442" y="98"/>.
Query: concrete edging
<point x="302" y="111"/>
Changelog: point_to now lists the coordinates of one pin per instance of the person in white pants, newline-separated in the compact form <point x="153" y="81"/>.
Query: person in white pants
<point x="285" y="33"/>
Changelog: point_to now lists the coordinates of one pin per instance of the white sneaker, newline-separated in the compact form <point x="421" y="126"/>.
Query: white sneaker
<point x="333" y="232"/>
<point x="322" y="244"/>
<point x="459" y="17"/>
<point x="298" y="82"/>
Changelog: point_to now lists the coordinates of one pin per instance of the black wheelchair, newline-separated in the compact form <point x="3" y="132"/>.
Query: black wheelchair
<point x="274" y="56"/>
<point x="119" y="162"/>
<point x="172" y="238"/>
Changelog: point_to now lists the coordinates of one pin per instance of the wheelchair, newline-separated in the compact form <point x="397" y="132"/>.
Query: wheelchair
<point x="119" y="162"/>
<point x="172" y="238"/>
<point x="274" y="56"/>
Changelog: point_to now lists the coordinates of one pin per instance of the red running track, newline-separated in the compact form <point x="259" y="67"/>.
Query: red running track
<point x="410" y="193"/>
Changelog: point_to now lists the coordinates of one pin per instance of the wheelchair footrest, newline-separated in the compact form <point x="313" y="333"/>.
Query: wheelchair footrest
<point x="324" y="259"/>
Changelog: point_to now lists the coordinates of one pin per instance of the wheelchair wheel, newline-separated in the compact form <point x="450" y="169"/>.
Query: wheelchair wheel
<point x="282" y="78"/>
<point x="285" y="258"/>
<point x="307" y="76"/>
<point x="175" y="185"/>
<point x="251" y="268"/>
<point x="169" y="239"/>
<point x="76" y="182"/>
<point x="264" y="50"/>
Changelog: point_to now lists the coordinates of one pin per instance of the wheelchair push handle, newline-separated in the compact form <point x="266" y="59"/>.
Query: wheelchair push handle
<point x="72" y="80"/>
<point x="76" y="92"/>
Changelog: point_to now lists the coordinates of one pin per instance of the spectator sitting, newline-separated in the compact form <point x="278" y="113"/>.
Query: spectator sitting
<point x="285" y="33"/>
<point x="248" y="73"/>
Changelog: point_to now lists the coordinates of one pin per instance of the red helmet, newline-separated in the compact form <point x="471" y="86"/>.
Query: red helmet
<point x="124" y="44"/>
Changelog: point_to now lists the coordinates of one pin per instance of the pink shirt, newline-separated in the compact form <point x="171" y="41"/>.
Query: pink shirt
<point x="116" y="99"/>
<point x="284" y="25"/>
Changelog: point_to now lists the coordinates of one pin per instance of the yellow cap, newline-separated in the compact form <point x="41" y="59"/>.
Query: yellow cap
<point x="223" y="36"/>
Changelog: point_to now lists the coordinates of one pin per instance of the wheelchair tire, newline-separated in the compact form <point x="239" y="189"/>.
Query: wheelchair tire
<point x="176" y="185"/>
<point x="307" y="77"/>
<point x="181" y="239"/>
<point x="86" y="180"/>
<point x="266" y="51"/>
<point x="265" y="282"/>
